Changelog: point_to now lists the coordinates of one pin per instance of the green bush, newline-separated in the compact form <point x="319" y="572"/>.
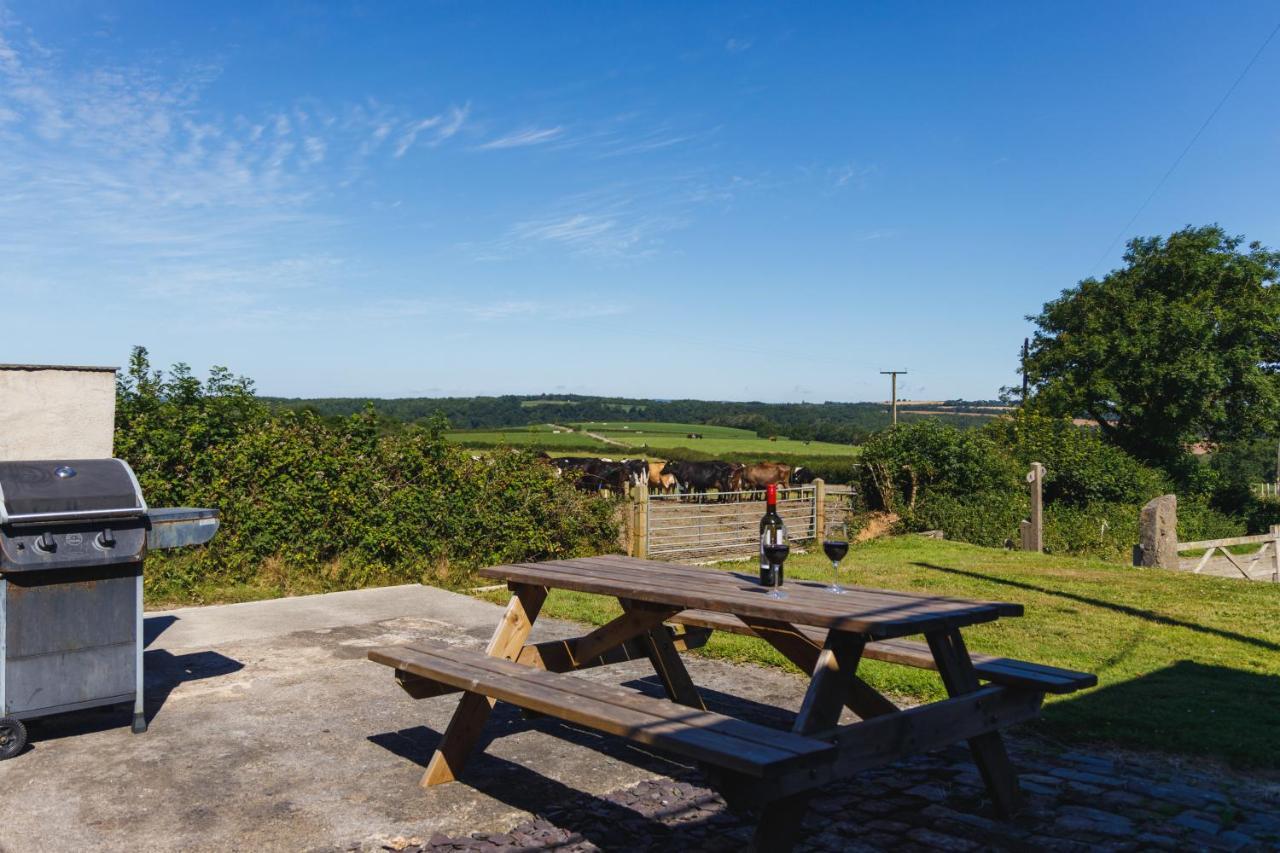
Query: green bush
<point x="926" y="458"/>
<point x="339" y="503"/>
<point x="1102" y="529"/>
<point x="1080" y="468"/>
<point x="986" y="518"/>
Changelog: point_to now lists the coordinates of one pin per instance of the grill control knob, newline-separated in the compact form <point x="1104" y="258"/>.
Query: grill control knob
<point x="106" y="539"/>
<point x="45" y="544"/>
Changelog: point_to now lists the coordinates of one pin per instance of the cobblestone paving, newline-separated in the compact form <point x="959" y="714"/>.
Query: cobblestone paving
<point x="1074" y="801"/>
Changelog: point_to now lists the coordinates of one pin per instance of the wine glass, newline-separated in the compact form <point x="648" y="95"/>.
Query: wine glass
<point x="835" y="544"/>
<point x="776" y="553"/>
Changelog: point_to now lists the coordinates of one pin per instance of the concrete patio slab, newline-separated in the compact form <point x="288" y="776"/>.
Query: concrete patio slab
<point x="271" y="731"/>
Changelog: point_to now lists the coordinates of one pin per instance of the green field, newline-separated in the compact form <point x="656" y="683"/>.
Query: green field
<point x="643" y="438"/>
<point x="1186" y="664"/>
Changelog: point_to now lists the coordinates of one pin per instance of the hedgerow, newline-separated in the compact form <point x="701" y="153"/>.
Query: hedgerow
<point x="338" y="502"/>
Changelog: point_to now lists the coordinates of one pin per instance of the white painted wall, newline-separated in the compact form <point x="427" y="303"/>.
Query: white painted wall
<point x="49" y="412"/>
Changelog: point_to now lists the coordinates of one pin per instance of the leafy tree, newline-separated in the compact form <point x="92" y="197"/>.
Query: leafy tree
<point x="1180" y="345"/>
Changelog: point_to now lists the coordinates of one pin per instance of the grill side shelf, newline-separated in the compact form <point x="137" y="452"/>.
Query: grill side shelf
<point x="177" y="527"/>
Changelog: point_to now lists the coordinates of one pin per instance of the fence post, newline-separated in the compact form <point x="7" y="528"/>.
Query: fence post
<point x="819" y="508"/>
<point x="1275" y="553"/>
<point x="1033" y="530"/>
<point x="642" y="521"/>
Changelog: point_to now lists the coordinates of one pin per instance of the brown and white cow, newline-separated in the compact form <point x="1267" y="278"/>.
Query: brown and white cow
<point x="659" y="482"/>
<point x="762" y="474"/>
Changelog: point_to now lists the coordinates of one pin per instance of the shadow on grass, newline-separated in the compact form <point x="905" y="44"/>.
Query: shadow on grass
<point x="1188" y="708"/>
<point x="1135" y="612"/>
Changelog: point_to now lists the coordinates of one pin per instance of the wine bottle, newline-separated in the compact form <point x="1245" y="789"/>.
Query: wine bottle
<point x="772" y="532"/>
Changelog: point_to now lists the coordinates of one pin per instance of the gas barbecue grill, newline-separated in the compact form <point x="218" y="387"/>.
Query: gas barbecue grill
<point x="73" y="535"/>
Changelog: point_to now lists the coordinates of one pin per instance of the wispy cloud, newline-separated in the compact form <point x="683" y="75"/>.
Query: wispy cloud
<point x="521" y="138"/>
<point x="849" y="174"/>
<point x="122" y="169"/>
<point x="443" y="126"/>
<point x="738" y="45"/>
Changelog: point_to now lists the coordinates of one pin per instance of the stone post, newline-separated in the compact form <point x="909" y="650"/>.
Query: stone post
<point x="1158" y="533"/>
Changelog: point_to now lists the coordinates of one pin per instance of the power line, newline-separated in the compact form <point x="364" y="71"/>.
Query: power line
<point x="1180" y="157"/>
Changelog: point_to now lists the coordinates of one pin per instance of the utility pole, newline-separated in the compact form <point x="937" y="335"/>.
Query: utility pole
<point x="1026" y="346"/>
<point x="893" y="393"/>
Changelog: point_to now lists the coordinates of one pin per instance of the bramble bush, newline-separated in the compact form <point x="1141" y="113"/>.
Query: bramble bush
<point x="338" y="503"/>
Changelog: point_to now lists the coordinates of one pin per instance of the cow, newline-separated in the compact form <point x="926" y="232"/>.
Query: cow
<point x="660" y="483"/>
<point x="700" y="477"/>
<point x="593" y="475"/>
<point x="762" y="474"/>
<point x="637" y="471"/>
<point x="802" y="476"/>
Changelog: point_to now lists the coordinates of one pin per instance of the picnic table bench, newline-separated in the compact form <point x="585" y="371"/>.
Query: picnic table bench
<point x="669" y="608"/>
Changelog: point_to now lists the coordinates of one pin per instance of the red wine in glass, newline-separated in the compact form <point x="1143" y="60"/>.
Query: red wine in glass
<point x="835" y="544"/>
<point x="776" y="553"/>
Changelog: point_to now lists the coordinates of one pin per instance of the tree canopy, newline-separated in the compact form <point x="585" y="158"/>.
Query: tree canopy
<point x="1180" y="345"/>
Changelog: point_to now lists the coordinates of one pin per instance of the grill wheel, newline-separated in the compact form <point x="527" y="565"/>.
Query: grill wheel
<point x="13" y="737"/>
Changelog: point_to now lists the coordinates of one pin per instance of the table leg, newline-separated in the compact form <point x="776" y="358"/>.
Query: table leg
<point x="670" y="669"/>
<point x="959" y="677"/>
<point x="473" y="709"/>
<point x="836" y="663"/>
<point x="861" y="698"/>
<point x="780" y="824"/>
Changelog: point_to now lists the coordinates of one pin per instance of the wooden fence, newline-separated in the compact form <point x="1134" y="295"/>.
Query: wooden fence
<point x="1269" y="542"/>
<point x="689" y="528"/>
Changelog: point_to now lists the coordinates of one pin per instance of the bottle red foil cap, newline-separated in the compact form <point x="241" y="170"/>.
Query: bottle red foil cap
<point x="771" y="493"/>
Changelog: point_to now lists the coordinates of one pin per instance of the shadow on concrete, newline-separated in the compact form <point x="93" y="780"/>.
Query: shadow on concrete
<point x="608" y="825"/>
<point x="599" y="821"/>
<point x="165" y="671"/>
<point x="154" y="626"/>
<point x="1135" y="612"/>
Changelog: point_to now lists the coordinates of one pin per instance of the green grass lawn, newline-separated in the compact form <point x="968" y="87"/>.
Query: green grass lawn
<point x="1185" y="664"/>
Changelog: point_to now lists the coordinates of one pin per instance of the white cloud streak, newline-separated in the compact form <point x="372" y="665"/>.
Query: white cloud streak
<point x="523" y="138"/>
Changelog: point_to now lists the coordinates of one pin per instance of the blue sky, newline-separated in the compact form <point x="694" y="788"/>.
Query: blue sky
<point x="727" y="201"/>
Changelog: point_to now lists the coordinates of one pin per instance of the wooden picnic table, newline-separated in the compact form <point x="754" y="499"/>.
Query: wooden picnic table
<point x="669" y="608"/>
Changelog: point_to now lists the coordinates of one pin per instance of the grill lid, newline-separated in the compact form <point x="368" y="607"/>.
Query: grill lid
<point x="66" y="489"/>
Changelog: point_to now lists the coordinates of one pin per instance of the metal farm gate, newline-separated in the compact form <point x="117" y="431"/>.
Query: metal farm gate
<point x="723" y="525"/>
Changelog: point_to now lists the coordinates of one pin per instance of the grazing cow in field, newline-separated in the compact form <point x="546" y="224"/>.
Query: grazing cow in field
<point x="659" y="482"/>
<point x="637" y="471"/>
<point x="700" y="477"/>
<point x="593" y="475"/>
<point x="802" y="476"/>
<point x="762" y="474"/>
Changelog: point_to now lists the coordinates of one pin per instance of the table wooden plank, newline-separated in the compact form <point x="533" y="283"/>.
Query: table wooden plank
<point x="870" y="612"/>
<point x="1001" y="670"/>
<point x="698" y="734"/>
<point x="1006" y="608"/>
<point x="622" y="697"/>
<point x="855" y="596"/>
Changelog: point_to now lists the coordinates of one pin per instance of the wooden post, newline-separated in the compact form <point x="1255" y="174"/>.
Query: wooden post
<point x="819" y="508"/>
<point x="1275" y="553"/>
<point x="642" y="521"/>
<point x="1033" y="530"/>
